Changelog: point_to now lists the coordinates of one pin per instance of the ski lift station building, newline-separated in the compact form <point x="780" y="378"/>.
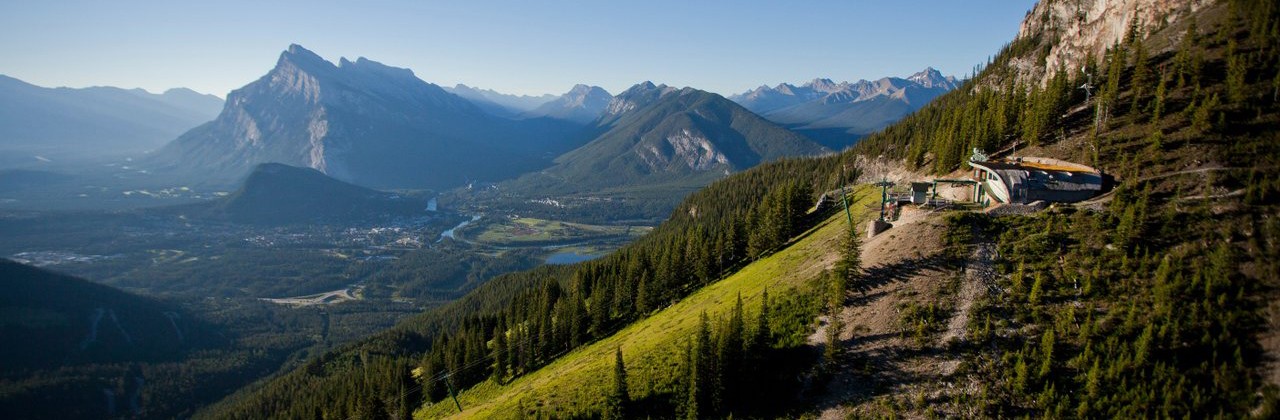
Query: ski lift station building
<point x="1028" y="179"/>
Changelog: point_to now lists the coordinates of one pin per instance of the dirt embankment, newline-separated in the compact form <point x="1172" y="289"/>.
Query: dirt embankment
<point x="885" y="365"/>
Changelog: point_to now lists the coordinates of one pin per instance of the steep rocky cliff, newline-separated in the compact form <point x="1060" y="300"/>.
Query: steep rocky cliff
<point x="1075" y="30"/>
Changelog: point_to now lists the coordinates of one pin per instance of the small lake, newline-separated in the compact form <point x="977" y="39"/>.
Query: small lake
<point x="570" y="258"/>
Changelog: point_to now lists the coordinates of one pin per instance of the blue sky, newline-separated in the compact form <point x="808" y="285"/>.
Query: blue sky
<point x="526" y="47"/>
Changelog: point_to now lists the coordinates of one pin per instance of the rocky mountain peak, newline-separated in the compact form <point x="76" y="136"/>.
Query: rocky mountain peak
<point x="1087" y="27"/>
<point x="931" y="77"/>
<point x="581" y="104"/>
<point x="824" y="85"/>
<point x="639" y="95"/>
<point x="303" y="58"/>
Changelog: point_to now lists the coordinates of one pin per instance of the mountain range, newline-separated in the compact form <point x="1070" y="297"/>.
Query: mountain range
<point x="837" y="114"/>
<point x="96" y="120"/>
<point x="362" y="122"/>
<point x="497" y="103"/>
<point x="380" y="126"/>
<point x="657" y="134"/>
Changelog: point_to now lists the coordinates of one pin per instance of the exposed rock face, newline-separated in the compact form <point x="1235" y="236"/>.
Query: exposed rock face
<point x="634" y="97"/>
<point x="692" y="150"/>
<point x="1085" y="27"/>
<point x="363" y="122"/>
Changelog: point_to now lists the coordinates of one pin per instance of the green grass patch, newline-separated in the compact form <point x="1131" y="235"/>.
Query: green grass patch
<point x="573" y="385"/>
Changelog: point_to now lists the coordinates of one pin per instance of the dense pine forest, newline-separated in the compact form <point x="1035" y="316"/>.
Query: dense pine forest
<point x="1145" y="303"/>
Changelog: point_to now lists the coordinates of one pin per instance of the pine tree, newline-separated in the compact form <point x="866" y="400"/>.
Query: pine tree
<point x="849" y="266"/>
<point x="1046" y="353"/>
<point x="705" y="365"/>
<point x="1020" y="374"/>
<point x="1157" y="106"/>
<point x="692" y="386"/>
<point x="1141" y="72"/>
<point x="616" y="406"/>
<point x="1236" y="72"/>
<point x="499" y="354"/>
<point x="404" y="410"/>
<point x="763" y="335"/>
<point x="1201" y="118"/>
<point x="1033" y="298"/>
<point x="643" y="304"/>
<point x="369" y="408"/>
<point x="599" y="308"/>
<point x="729" y="355"/>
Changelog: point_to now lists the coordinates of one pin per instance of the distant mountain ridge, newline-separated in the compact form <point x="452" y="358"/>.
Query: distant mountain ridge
<point x="95" y="120"/>
<point x="362" y="122"/>
<point x="657" y="134"/>
<point x="497" y="103"/>
<point x="838" y="113"/>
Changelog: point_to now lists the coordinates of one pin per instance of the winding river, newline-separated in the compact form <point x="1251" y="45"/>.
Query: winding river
<point x="449" y="233"/>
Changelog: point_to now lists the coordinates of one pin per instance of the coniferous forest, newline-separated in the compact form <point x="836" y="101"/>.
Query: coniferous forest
<point x="1155" y="299"/>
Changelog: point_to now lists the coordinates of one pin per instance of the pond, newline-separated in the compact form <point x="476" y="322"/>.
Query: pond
<point x="570" y="258"/>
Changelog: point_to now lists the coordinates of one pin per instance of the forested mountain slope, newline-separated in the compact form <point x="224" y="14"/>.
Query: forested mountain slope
<point x="1157" y="300"/>
<point x="275" y="194"/>
<point x="710" y="235"/>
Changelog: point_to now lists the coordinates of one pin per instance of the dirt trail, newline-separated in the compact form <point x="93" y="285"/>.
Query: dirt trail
<point x="979" y="274"/>
<point x="884" y="364"/>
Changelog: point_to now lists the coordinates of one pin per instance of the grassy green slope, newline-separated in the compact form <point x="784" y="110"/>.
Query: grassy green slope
<point x="572" y="386"/>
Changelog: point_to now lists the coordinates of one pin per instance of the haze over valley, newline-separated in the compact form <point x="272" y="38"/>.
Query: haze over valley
<point x="1050" y="208"/>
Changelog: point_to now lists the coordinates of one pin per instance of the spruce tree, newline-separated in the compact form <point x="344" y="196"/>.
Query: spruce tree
<point x="616" y="406"/>
<point x="849" y="266"/>
<point x="729" y="356"/>
<point x="643" y="304"/>
<point x="691" y="386"/>
<point x="1236" y="72"/>
<point x="763" y="335"/>
<point x="704" y="368"/>
<point x="499" y="354"/>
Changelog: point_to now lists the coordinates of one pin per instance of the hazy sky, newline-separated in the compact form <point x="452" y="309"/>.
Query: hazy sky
<point x="527" y="47"/>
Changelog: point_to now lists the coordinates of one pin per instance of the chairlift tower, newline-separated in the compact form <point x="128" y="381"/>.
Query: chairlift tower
<point x="1088" y="85"/>
<point x="884" y="185"/>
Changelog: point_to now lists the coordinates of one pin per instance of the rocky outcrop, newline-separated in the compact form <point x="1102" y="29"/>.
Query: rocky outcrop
<point x="1085" y="28"/>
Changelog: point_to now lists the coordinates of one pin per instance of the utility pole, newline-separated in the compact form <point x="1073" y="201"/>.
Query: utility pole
<point x="844" y="199"/>
<point x="449" y="384"/>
